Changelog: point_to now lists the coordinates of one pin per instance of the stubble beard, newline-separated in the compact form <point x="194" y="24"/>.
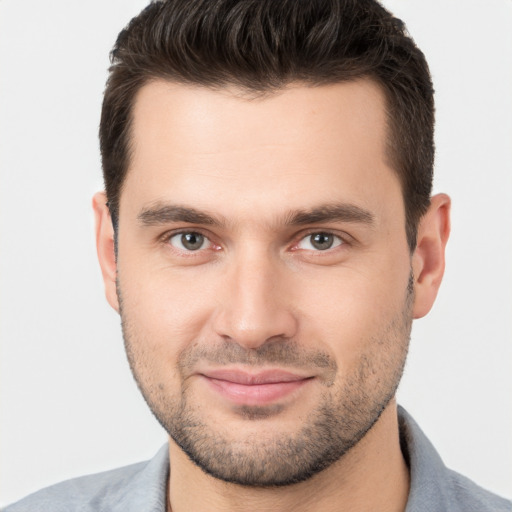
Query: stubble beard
<point x="344" y="415"/>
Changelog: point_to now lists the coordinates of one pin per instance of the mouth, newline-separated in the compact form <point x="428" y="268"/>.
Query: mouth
<point x="256" y="389"/>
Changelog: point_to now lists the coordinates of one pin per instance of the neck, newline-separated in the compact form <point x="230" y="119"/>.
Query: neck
<point x="371" y="476"/>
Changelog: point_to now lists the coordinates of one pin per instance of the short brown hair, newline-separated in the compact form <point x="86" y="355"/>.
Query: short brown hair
<point x="263" y="45"/>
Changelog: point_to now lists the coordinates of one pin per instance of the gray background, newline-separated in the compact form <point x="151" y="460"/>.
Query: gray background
<point x="68" y="402"/>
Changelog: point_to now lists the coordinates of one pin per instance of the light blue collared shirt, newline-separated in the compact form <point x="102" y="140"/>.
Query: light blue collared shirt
<point x="142" y="487"/>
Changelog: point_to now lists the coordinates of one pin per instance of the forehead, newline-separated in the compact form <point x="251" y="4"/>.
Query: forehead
<point x="229" y="118"/>
<point x="296" y="146"/>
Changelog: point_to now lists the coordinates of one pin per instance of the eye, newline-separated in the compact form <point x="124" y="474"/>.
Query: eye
<point x="189" y="241"/>
<point x="321" y="241"/>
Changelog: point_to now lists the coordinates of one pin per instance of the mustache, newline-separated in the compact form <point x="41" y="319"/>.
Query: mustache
<point x="284" y="353"/>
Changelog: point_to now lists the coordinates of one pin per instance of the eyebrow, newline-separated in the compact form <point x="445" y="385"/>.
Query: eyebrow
<point x="165" y="213"/>
<point x="332" y="213"/>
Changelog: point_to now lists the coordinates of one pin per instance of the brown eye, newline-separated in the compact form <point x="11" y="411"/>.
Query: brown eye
<point x="190" y="241"/>
<point x="321" y="241"/>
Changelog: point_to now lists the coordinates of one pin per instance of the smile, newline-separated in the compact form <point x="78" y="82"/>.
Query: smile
<point x="262" y="388"/>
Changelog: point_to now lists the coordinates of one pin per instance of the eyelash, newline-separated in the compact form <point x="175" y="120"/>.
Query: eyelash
<point x="341" y="240"/>
<point x="166" y="239"/>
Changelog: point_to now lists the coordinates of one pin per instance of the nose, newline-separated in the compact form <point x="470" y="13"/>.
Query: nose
<point x="255" y="303"/>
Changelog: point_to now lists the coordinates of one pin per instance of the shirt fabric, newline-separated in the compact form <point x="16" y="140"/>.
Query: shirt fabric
<point x="142" y="487"/>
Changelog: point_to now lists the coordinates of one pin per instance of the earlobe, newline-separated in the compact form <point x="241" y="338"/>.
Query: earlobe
<point x="428" y="260"/>
<point x="105" y="247"/>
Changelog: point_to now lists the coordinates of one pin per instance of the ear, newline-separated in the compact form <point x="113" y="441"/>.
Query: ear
<point x="428" y="260"/>
<point x="105" y="247"/>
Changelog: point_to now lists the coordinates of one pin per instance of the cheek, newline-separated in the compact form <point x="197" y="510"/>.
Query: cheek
<point x="351" y="312"/>
<point x="167" y="309"/>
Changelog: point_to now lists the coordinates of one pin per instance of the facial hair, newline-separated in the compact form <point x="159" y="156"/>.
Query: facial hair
<point x="347" y="409"/>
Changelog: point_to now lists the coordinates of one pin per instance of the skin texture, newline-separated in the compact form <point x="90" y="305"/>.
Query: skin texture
<point x="268" y="290"/>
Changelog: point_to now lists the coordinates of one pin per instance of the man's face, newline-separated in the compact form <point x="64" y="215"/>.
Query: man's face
<point x="263" y="273"/>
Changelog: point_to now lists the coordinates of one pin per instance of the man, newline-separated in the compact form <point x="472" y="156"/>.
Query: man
<point x="268" y="235"/>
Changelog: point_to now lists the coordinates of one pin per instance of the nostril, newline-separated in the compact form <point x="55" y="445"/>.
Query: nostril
<point x="253" y="330"/>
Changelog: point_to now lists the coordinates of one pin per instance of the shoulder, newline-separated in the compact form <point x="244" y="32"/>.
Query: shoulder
<point x="470" y="497"/>
<point x="434" y="487"/>
<point x="140" y="487"/>
<point x="83" y="493"/>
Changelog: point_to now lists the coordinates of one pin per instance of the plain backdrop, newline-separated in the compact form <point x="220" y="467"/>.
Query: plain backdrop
<point x="68" y="402"/>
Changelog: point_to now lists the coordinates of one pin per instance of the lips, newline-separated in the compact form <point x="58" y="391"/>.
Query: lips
<point x="262" y="388"/>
